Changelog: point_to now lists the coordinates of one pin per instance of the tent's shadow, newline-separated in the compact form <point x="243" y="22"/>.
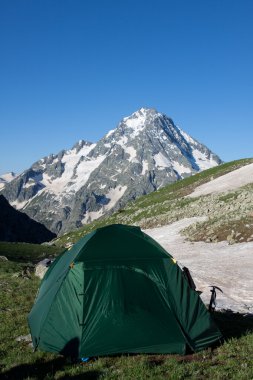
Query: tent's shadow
<point x="233" y="325"/>
<point x="40" y="370"/>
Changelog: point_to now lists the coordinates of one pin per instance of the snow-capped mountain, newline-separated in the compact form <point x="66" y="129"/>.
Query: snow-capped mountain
<point x="145" y="151"/>
<point x="6" y="178"/>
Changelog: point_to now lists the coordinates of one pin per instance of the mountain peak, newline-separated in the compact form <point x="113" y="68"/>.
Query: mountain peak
<point x="143" y="112"/>
<point x="145" y="152"/>
<point x="146" y="111"/>
<point x="139" y="118"/>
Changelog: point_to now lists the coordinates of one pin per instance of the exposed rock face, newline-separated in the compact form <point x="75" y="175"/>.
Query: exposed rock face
<point x="146" y="151"/>
<point x="16" y="226"/>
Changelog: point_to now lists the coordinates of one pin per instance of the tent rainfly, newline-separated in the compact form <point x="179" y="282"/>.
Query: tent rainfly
<point x="118" y="291"/>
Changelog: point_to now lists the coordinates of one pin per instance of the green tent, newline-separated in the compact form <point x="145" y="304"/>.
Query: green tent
<point x="118" y="291"/>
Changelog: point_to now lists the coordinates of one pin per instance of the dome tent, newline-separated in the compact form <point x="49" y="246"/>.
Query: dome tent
<point x="118" y="291"/>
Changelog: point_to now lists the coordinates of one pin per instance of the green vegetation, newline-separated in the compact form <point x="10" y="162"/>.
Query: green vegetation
<point x="232" y="360"/>
<point x="234" y="231"/>
<point x="23" y="252"/>
<point x="145" y="210"/>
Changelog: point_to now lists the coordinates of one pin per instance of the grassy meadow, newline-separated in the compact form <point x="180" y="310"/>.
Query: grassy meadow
<point x="231" y="360"/>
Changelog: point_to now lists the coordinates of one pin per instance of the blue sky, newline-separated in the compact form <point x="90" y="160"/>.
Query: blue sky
<point x="72" y="69"/>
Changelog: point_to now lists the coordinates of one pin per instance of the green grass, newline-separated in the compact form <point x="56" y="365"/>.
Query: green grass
<point x="232" y="360"/>
<point x="155" y="204"/>
<point x="24" y="252"/>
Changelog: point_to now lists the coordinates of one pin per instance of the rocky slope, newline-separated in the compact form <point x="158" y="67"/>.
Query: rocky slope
<point x="145" y="152"/>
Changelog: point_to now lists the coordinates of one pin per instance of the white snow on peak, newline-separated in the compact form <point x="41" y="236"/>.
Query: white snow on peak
<point x="83" y="171"/>
<point x="114" y="195"/>
<point x="74" y="163"/>
<point x="202" y="160"/>
<point x="187" y="137"/>
<point x="161" y="161"/>
<point x="92" y="215"/>
<point x="137" y="120"/>
<point x="110" y="133"/>
<point x="227" y="182"/>
<point x="136" y="123"/>
<point x="29" y="183"/>
<point x="132" y="152"/>
<point x="144" y="167"/>
<point x="6" y="178"/>
<point x="181" y="169"/>
<point x="123" y="141"/>
<point x="19" y="205"/>
<point x="128" y="149"/>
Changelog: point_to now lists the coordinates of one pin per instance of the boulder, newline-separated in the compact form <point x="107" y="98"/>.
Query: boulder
<point x="3" y="258"/>
<point x="42" y="267"/>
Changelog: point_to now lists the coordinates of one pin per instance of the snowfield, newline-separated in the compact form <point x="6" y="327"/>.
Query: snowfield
<point x="228" y="182"/>
<point x="229" y="267"/>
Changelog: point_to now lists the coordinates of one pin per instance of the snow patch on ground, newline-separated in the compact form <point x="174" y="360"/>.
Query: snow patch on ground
<point x="229" y="267"/>
<point x="228" y="182"/>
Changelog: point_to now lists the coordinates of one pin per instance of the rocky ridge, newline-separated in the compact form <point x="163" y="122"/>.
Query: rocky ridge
<point x="144" y="153"/>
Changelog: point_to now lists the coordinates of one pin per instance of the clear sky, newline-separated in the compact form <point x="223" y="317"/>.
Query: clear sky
<point x="72" y="69"/>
